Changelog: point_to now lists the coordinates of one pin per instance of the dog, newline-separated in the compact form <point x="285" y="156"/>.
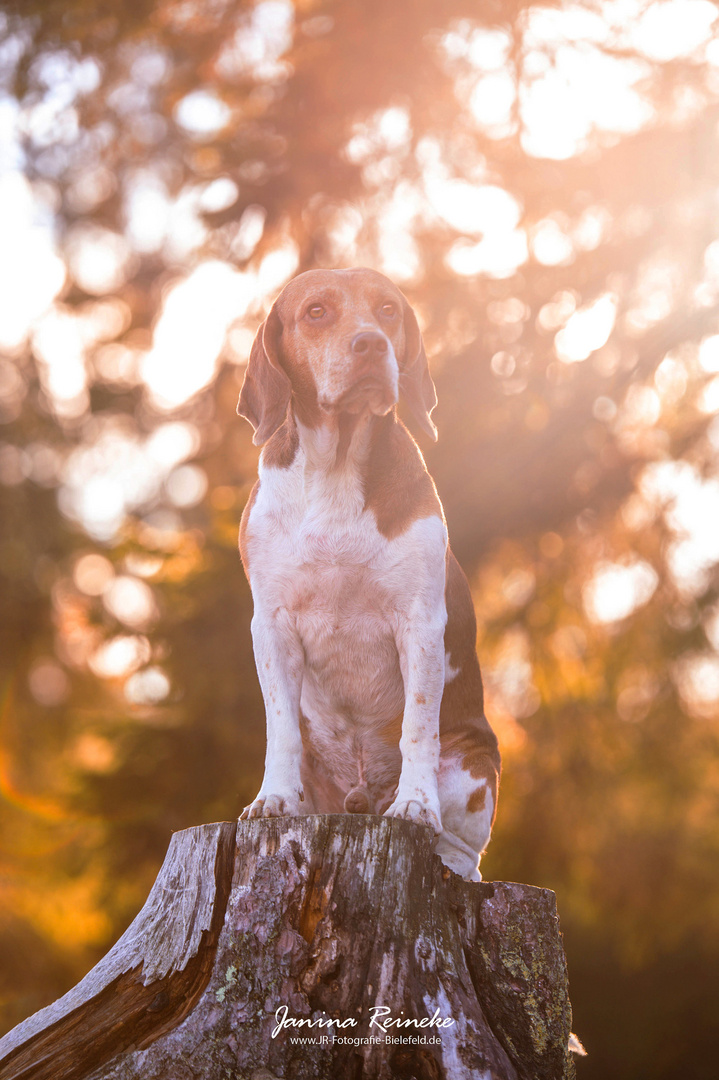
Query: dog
<point x="363" y="630"/>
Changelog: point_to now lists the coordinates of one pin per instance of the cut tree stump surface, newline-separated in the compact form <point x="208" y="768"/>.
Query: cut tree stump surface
<point x="311" y="920"/>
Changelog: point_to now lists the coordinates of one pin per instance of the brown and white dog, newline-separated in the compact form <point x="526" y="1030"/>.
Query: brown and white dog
<point x="363" y="629"/>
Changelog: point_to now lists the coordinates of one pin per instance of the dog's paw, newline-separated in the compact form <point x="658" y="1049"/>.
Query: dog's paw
<point x="423" y="812"/>
<point x="273" y="805"/>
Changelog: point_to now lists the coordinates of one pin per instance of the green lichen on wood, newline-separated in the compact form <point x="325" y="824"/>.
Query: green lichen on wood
<point x="515" y="958"/>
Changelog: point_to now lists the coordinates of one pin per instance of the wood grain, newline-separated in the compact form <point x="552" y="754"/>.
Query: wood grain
<point x="148" y="981"/>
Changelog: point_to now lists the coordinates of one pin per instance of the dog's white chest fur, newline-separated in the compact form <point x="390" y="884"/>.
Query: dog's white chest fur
<point x="339" y="581"/>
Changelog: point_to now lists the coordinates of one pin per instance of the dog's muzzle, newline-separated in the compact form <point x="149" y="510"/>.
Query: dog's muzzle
<point x="373" y="382"/>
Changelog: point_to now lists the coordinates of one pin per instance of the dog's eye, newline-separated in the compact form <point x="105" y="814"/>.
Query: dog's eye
<point x="316" y="311"/>
<point x="390" y="310"/>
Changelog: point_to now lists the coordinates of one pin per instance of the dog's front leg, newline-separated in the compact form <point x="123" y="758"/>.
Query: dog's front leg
<point x="420" y="644"/>
<point x="279" y="658"/>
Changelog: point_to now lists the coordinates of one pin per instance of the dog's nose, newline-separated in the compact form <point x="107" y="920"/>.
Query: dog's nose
<point x="370" y="344"/>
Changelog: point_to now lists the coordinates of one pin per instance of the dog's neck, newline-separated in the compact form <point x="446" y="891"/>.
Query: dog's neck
<point x="336" y="451"/>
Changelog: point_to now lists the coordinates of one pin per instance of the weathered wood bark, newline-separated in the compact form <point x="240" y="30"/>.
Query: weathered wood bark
<point x="323" y="918"/>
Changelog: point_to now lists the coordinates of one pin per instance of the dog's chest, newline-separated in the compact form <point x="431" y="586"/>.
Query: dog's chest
<point x="328" y="565"/>
<point x="336" y="583"/>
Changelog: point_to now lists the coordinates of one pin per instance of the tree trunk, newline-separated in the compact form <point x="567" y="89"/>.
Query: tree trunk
<point x="338" y="925"/>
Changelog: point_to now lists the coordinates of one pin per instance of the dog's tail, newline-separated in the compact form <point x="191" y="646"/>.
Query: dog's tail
<point x="357" y="801"/>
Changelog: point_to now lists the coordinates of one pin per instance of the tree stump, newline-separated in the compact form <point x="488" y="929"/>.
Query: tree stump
<point x="331" y="946"/>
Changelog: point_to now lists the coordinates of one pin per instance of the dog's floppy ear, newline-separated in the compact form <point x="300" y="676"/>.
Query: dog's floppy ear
<point x="266" y="389"/>
<point x="415" y="381"/>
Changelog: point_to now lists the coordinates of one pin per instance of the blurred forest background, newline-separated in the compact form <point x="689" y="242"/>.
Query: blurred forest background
<point x="542" y="180"/>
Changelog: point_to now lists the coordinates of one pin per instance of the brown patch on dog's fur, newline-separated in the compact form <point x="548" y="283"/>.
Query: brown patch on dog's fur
<point x="280" y="451"/>
<point x="398" y="488"/>
<point x="463" y="698"/>
<point x="464" y="730"/>
<point x="476" y="800"/>
<point x="390" y="732"/>
<point x="266" y="388"/>
<point x="304" y="391"/>
<point x="481" y="764"/>
<point x="346" y="427"/>
<point x="477" y="763"/>
<point x="460" y="635"/>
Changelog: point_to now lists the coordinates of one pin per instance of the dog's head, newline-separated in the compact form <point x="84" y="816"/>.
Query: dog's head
<point x="337" y="341"/>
